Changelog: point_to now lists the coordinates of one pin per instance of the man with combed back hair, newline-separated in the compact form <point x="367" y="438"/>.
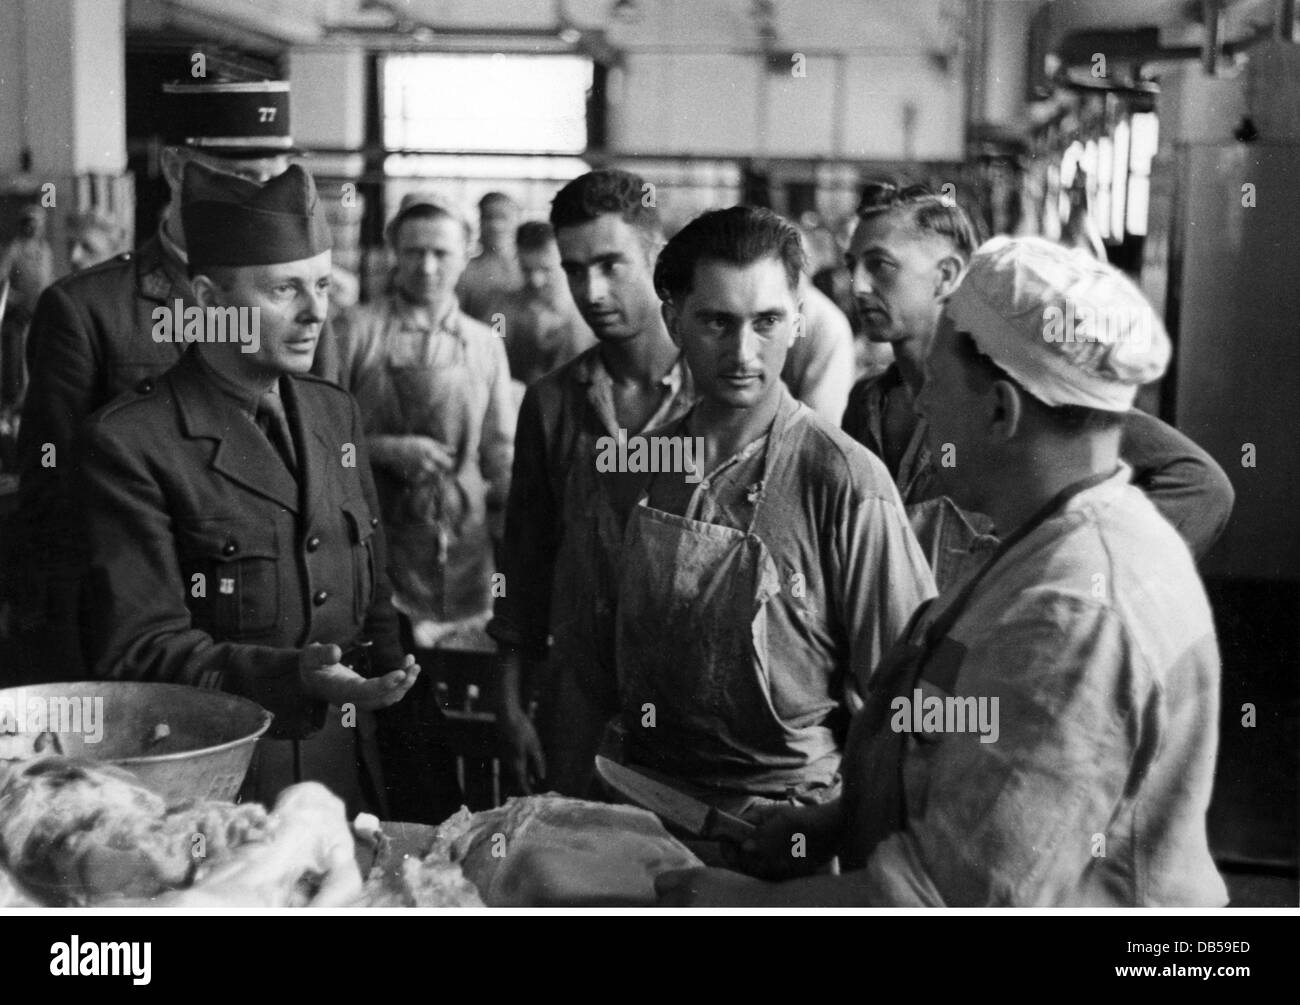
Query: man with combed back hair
<point x="760" y="588"/>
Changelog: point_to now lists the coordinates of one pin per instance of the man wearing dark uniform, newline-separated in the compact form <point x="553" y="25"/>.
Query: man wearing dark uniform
<point x="91" y="339"/>
<point x="232" y="519"/>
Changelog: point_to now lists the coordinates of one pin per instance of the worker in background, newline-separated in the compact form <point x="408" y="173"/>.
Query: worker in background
<point x="91" y="340"/>
<point x="26" y="268"/>
<point x="494" y="271"/>
<point x="543" y="329"/>
<point x="762" y="583"/>
<point x="907" y="254"/>
<point x="433" y="385"/>
<point x="1083" y="653"/>
<point x="93" y="238"/>
<point x="554" y="622"/>
<point x="232" y="545"/>
<point x="819" y="368"/>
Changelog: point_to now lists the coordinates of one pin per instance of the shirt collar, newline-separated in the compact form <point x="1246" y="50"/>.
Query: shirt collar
<point x="447" y="321"/>
<point x="245" y="397"/>
<point x="590" y="367"/>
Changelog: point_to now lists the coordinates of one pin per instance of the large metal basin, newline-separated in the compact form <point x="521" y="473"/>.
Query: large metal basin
<point x="185" y="743"/>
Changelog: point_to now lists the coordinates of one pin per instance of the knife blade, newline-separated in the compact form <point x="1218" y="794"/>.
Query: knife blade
<point x="677" y="808"/>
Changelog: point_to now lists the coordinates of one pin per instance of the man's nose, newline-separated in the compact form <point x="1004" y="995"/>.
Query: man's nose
<point x="597" y="288"/>
<point x="861" y="282"/>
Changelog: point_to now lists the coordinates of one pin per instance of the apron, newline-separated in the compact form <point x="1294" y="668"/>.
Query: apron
<point x="925" y="657"/>
<point x="692" y="643"/>
<point x="581" y="695"/>
<point x="439" y="547"/>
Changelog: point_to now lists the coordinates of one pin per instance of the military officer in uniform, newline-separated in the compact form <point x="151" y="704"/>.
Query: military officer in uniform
<point x="232" y="518"/>
<point x="91" y="339"/>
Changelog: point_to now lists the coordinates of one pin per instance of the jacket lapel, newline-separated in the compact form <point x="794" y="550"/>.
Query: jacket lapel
<point x="316" y="453"/>
<point x="243" y="454"/>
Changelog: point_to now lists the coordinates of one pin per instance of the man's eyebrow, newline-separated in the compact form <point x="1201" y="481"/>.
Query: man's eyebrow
<point x="601" y="259"/>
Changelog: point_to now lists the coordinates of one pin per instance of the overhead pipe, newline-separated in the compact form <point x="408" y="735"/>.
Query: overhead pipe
<point x="1210" y="50"/>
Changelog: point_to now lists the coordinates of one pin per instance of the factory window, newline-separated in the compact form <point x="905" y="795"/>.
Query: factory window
<point x="504" y="104"/>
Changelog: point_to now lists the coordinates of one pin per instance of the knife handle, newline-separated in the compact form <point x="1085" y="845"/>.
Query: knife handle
<point x="723" y="826"/>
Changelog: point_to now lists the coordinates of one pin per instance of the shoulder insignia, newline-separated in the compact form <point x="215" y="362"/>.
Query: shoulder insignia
<point x="155" y="284"/>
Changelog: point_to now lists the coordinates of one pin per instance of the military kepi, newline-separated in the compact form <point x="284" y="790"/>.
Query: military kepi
<point x="235" y="222"/>
<point x="229" y="118"/>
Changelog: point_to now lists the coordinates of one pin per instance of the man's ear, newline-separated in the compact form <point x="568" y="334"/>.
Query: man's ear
<point x="949" y="271"/>
<point x="205" y="291"/>
<point x="173" y="162"/>
<point x="1008" y="410"/>
<point x="670" y="315"/>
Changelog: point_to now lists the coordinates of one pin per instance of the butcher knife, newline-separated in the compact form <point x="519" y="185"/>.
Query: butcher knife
<point x="673" y="807"/>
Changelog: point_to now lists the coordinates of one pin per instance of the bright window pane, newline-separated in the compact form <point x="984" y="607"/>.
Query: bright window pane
<point x="470" y="102"/>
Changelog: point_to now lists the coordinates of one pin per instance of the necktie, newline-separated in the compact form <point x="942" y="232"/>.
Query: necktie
<point x="273" y="422"/>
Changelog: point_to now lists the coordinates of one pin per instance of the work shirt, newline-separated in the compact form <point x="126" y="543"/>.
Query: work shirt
<point x="1186" y="485"/>
<point x="445" y="378"/>
<point x="848" y="575"/>
<point x="819" y="366"/>
<point x="561" y="418"/>
<point x="1093" y="634"/>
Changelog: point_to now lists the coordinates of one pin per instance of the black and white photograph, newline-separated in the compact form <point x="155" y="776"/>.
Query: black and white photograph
<point x="642" y="457"/>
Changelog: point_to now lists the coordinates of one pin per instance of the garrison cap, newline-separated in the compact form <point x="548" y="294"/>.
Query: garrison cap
<point x="232" y="221"/>
<point x="1071" y="329"/>
<point x="237" y="119"/>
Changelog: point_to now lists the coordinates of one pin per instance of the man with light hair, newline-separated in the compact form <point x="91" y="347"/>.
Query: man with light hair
<point x="1088" y="626"/>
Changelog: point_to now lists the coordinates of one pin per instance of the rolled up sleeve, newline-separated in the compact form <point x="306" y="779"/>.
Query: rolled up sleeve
<point x="886" y="578"/>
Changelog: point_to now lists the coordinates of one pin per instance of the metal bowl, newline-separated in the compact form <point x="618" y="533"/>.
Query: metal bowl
<point x="185" y="743"/>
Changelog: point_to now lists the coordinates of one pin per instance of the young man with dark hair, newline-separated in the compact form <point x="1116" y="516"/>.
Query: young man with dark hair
<point x="762" y="583"/>
<point x="553" y="622"/>
<point x="908" y="253"/>
<point x="1043" y="734"/>
<point x="543" y="329"/>
<point x="494" y="272"/>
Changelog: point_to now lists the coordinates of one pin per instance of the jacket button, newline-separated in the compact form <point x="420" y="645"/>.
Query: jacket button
<point x="229" y="548"/>
<point x="145" y="386"/>
<point x="313" y="543"/>
<point x="374" y="521"/>
<point x="320" y="597"/>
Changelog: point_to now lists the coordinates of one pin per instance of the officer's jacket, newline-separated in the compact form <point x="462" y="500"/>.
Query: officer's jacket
<point x="210" y="564"/>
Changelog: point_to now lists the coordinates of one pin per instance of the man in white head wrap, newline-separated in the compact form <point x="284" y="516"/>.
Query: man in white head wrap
<point x="1045" y="731"/>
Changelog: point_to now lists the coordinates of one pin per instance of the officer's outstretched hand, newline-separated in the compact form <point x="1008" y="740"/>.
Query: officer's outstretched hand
<point x="325" y="678"/>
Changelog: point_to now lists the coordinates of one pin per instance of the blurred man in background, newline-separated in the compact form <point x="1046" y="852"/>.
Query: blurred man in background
<point x="434" y="389"/>
<point x="26" y="268"/>
<point x="494" y="271"/>
<point x="543" y="328"/>
<point x="554" y="622"/>
<point x="93" y="238"/>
